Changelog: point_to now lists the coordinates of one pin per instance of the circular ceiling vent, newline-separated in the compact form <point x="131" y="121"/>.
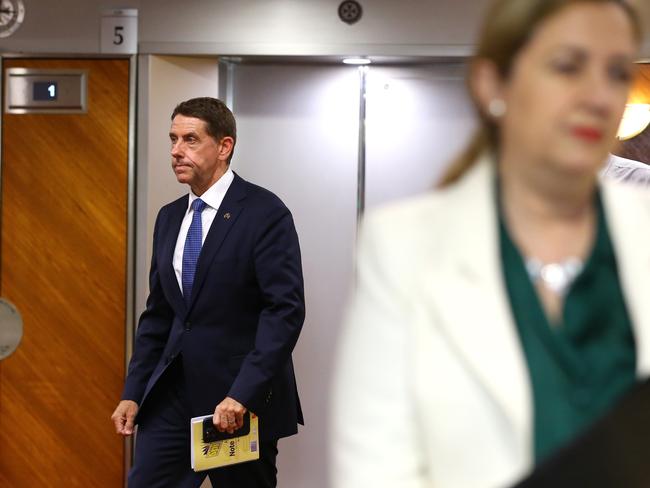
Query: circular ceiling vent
<point x="350" y="11"/>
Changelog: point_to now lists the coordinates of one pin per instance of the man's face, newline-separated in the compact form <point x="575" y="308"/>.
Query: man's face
<point x="197" y="158"/>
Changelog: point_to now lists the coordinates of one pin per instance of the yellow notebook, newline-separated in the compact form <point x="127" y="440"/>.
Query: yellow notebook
<point x="210" y="455"/>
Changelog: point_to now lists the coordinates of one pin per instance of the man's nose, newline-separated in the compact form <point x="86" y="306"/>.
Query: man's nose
<point x="176" y="149"/>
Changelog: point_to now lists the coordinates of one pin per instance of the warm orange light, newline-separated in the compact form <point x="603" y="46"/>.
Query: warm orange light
<point x="635" y="120"/>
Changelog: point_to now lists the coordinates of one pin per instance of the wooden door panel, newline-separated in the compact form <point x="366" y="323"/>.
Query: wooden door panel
<point x="63" y="264"/>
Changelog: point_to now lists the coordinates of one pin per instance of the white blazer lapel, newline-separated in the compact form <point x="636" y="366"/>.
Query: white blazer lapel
<point x="471" y="302"/>
<point x="628" y="216"/>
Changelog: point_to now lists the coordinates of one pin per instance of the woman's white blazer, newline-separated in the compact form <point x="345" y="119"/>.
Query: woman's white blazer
<point x="431" y="385"/>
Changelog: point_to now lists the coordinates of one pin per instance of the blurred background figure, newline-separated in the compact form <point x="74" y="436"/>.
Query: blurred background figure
<point x="627" y="170"/>
<point x="499" y="316"/>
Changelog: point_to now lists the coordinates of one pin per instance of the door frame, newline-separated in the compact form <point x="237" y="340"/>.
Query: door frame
<point x="129" y="324"/>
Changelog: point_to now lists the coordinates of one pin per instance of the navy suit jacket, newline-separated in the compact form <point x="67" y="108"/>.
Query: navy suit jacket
<point x="244" y="318"/>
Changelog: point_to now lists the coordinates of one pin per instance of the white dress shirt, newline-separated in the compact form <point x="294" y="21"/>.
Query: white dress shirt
<point x="213" y="198"/>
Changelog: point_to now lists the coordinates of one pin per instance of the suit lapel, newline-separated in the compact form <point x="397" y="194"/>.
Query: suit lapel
<point x="167" y="274"/>
<point x="627" y="211"/>
<point x="225" y="219"/>
<point x="469" y="296"/>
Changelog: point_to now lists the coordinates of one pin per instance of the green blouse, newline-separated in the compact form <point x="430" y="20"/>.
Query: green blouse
<point x="580" y="367"/>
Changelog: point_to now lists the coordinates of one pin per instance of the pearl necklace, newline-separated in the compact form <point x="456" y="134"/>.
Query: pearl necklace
<point x="557" y="277"/>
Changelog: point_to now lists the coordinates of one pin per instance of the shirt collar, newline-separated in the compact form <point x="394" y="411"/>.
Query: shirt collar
<point x="214" y="195"/>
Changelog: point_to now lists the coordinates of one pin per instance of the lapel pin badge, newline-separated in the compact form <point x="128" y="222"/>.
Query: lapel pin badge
<point x="226" y="215"/>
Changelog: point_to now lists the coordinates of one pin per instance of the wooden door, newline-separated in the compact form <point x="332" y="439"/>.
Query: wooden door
<point x="63" y="264"/>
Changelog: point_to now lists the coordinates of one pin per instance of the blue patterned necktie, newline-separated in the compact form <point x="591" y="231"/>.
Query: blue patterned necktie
<point x="192" y="249"/>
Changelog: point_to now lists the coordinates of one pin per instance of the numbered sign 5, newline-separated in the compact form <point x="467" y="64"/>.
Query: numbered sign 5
<point x="118" y="36"/>
<point x="119" y="31"/>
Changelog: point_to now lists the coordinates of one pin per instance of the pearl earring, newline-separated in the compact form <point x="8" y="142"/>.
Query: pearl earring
<point x="497" y="108"/>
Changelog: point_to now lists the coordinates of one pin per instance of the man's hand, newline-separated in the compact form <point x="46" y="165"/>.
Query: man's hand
<point x="124" y="416"/>
<point x="229" y="415"/>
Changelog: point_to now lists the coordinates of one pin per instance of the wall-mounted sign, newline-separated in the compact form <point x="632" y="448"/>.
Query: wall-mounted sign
<point x="119" y="31"/>
<point x="45" y="90"/>
<point x="31" y="91"/>
<point x="12" y="14"/>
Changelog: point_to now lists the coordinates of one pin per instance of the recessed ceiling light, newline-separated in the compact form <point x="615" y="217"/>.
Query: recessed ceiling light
<point x="356" y="61"/>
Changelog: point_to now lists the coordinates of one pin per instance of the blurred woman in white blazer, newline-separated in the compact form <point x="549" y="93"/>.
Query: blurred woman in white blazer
<point x="499" y="316"/>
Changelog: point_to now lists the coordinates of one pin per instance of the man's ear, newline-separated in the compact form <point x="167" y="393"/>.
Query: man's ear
<point x="487" y="86"/>
<point x="226" y="145"/>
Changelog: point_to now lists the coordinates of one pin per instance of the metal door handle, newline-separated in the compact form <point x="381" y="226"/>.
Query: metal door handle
<point x="11" y="328"/>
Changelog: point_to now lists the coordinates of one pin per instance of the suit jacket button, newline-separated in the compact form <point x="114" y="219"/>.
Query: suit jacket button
<point x="188" y="325"/>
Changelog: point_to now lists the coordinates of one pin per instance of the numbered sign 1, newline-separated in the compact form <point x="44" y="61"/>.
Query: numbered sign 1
<point x="119" y="31"/>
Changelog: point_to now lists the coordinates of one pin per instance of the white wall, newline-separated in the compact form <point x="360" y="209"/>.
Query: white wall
<point x="418" y="119"/>
<point x="309" y="27"/>
<point x="61" y="26"/>
<point x="163" y="82"/>
<point x="297" y="136"/>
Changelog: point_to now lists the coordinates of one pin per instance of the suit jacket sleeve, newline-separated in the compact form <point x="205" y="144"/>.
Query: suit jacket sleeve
<point x="153" y="330"/>
<point x="278" y="269"/>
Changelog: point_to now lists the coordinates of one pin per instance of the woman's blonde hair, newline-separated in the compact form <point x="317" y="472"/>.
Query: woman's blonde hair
<point x="507" y="28"/>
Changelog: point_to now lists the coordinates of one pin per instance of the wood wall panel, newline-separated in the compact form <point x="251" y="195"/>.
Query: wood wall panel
<point x="63" y="264"/>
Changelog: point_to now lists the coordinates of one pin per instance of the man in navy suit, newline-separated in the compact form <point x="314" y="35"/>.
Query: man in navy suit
<point x="224" y="312"/>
